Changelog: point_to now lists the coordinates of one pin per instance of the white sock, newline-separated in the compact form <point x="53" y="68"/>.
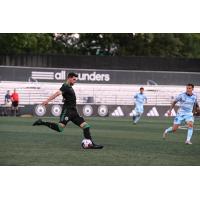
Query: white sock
<point x="137" y="118"/>
<point x="169" y="130"/>
<point x="189" y="134"/>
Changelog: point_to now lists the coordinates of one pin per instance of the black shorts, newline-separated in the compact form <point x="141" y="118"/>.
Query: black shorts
<point x="70" y="114"/>
<point x="15" y="104"/>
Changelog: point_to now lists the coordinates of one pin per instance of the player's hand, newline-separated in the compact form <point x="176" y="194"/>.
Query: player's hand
<point x="197" y="112"/>
<point x="45" y="103"/>
<point x="169" y="113"/>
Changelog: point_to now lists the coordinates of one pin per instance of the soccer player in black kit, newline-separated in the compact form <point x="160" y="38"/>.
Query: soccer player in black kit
<point x="69" y="111"/>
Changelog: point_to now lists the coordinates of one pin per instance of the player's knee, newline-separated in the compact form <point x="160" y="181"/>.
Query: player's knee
<point x="61" y="127"/>
<point x="85" y="125"/>
<point x="190" y="125"/>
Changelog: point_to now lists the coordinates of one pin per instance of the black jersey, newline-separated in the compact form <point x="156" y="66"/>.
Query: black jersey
<point x="69" y="95"/>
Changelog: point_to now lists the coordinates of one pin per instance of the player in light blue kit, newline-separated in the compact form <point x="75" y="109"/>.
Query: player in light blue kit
<point x="140" y="99"/>
<point x="188" y="101"/>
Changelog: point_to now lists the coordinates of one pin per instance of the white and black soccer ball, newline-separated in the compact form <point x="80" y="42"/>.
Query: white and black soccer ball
<point x="86" y="143"/>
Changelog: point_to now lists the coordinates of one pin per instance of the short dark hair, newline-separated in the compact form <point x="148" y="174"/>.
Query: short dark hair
<point x="72" y="74"/>
<point x="141" y="88"/>
<point x="190" y="84"/>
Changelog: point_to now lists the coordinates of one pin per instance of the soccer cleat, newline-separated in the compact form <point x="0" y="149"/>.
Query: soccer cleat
<point x="164" y="135"/>
<point x="92" y="146"/>
<point x="96" y="146"/>
<point x="188" y="142"/>
<point x="38" y="122"/>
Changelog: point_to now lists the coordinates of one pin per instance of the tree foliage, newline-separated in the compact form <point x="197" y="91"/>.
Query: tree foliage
<point x="107" y="44"/>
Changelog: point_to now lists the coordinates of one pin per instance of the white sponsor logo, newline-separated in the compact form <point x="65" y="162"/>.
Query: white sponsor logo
<point x="117" y="112"/>
<point x="153" y="112"/>
<point x="133" y="113"/>
<point x="62" y="75"/>
<point x="43" y="75"/>
<point x="66" y="118"/>
<point x="93" y="77"/>
<point x="87" y="110"/>
<point x="173" y="113"/>
<point x="102" y="111"/>
<point x="56" y="110"/>
<point x="40" y="110"/>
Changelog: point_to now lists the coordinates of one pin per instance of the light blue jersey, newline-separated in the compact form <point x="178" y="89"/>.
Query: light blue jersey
<point x="187" y="103"/>
<point x="140" y="99"/>
<point x="185" y="111"/>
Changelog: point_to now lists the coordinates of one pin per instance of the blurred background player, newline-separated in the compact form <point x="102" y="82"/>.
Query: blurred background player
<point x="15" y="102"/>
<point x="7" y="103"/>
<point x="69" y="111"/>
<point x="140" y="99"/>
<point x="7" y="99"/>
<point x="187" y="102"/>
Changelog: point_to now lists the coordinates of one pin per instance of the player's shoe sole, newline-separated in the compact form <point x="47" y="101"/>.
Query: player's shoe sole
<point x="188" y="142"/>
<point x="38" y="122"/>
<point x="97" y="146"/>
<point x="94" y="146"/>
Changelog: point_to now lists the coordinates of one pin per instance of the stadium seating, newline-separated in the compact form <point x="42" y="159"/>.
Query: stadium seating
<point x="35" y="93"/>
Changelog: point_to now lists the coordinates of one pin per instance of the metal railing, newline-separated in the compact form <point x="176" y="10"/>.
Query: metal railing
<point x="96" y="94"/>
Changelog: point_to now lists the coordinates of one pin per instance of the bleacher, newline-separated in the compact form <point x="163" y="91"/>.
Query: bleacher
<point x="100" y="94"/>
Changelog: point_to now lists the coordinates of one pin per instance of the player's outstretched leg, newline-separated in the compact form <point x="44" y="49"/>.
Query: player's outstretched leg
<point x="87" y="135"/>
<point x="167" y="131"/>
<point x="170" y="130"/>
<point x="52" y="125"/>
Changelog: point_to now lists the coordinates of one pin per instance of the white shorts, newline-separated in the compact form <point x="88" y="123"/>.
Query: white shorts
<point x="139" y="109"/>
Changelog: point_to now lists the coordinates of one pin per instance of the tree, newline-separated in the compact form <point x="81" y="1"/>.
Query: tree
<point x="20" y="43"/>
<point x="106" y="44"/>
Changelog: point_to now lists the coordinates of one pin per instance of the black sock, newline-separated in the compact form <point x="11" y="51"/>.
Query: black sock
<point x="53" y="126"/>
<point x="86" y="132"/>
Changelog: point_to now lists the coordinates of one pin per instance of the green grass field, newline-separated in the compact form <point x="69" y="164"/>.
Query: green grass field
<point x="125" y="144"/>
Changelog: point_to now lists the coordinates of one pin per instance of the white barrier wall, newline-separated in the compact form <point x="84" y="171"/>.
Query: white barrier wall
<point x="113" y="89"/>
<point x="98" y="94"/>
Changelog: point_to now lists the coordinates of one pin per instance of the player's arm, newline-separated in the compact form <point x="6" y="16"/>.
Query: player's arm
<point x="178" y="98"/>
<point x="135" y="98"/>
<point x="145" y="99"/>
<point x="196" y="109"/>
<point x="171" y="107"/>
<point x="53" y="96"/>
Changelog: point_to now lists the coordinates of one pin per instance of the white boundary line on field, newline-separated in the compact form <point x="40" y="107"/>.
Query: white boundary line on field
<point x="185" y="128"/>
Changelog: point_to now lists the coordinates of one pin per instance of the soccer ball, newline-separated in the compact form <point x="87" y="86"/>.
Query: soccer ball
<point x="86" y="143"/>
